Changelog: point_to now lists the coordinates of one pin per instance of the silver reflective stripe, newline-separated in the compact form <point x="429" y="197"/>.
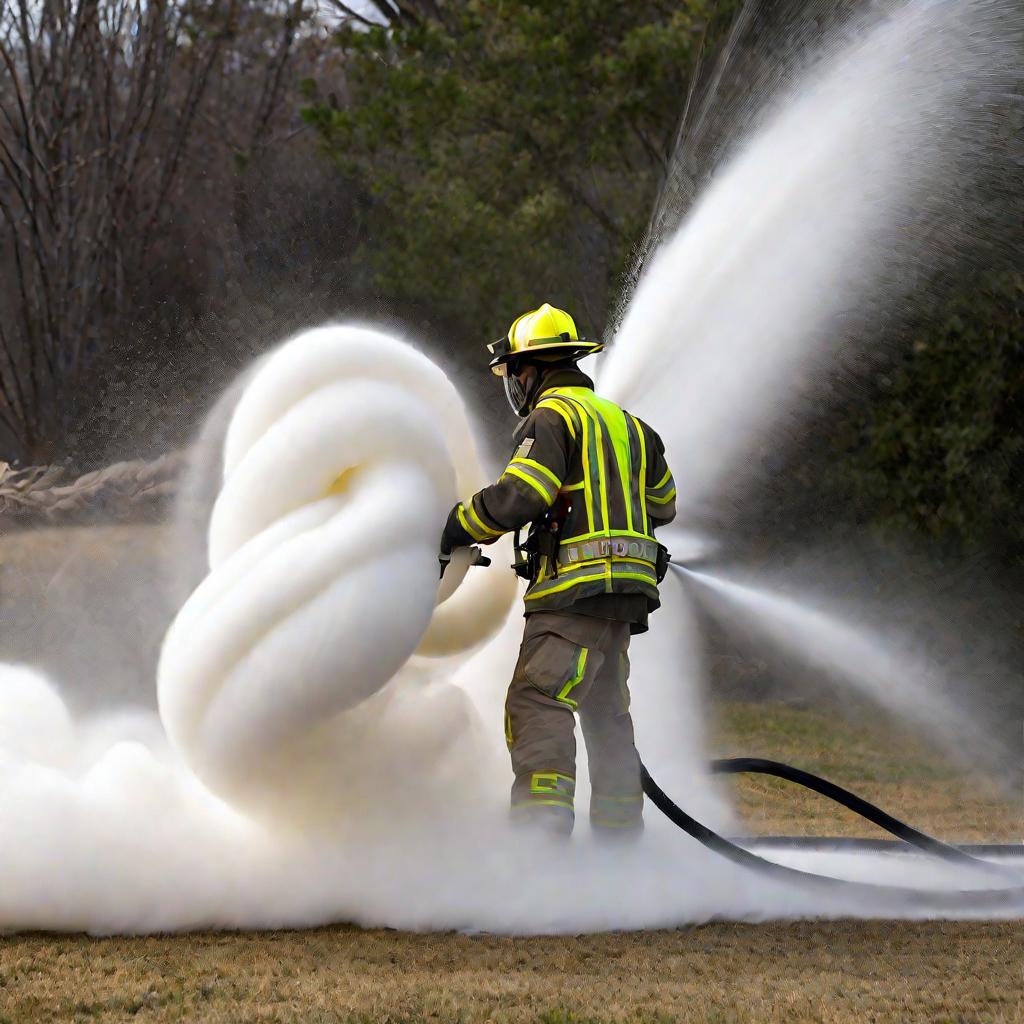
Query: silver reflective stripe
<point x="604" y="547"/>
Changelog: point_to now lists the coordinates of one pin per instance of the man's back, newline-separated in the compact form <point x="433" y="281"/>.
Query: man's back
<point x="592" y="482"/>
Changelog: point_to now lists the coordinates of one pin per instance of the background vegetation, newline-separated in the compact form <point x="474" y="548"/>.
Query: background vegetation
<point x="183" y="182"/>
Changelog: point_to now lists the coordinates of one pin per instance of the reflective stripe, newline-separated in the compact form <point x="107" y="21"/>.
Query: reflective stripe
<point x="602" y="533"/>
<point x="642" y="577"/>
<point x="664" y="489"/>
<point x="550" y="403"/>
<point x="617" y="811"/>
<point x="553" y="782"/>
<point x="543" y="470"/>
<point x="524" y="804"/>
<point x="598" y="570"/>
<point x="541" y="488"/>
<point x="556" y="586"/>
<point x="640" y="465"/>
<point x="577" y="678"/>
<point x="599" y="455"/>
<point x="588" y="485"/>
<point x="478" y="521"/>
<point x="460" y="513"/>
<point x="662" y="501"/>
<point x="664" y="480"/>
<point x="634" y="546"/>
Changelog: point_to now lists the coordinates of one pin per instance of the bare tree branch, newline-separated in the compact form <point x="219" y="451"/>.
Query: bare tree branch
<point x="100" y="102"/>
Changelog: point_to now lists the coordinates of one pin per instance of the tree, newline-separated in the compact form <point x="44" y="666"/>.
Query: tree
<point x="99" y="106"/>
<point x="512" y="151"/>
<point x="939" y="448"/>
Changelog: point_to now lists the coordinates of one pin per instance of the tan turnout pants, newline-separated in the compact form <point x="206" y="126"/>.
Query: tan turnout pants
<point x="568" y="664"/>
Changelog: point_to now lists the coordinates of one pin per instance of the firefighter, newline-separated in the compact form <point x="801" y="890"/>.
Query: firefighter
<point x="592" y="482"/>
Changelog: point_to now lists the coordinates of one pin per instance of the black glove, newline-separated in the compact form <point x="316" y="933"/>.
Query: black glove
<point x="454" y="536"/>
<point x="448" y="545"/>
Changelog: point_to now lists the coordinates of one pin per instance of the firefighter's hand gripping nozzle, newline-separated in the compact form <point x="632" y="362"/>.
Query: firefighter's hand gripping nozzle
<point x="445" y="557"/>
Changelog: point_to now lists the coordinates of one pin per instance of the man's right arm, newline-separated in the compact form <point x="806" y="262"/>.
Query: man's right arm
<point x="526" y="489"/>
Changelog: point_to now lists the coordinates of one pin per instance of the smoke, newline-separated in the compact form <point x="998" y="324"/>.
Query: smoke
<point x="329" y="742"/>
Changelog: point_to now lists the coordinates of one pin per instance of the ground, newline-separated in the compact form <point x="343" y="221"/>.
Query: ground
<point x="822" y="971"/>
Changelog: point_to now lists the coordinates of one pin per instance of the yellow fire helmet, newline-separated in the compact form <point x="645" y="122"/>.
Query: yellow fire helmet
<point x="545" y="332"/>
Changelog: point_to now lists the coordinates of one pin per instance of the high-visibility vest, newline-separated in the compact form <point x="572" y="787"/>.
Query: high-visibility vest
<point x="607" y="546"/>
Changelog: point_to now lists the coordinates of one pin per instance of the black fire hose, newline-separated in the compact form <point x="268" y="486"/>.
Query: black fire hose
<point x="907" y="838"/>
<point x="965" y="899"/>
<point x="857" y="804"/>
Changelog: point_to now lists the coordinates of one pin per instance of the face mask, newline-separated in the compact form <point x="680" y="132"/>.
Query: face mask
<point x="517" y="395"/>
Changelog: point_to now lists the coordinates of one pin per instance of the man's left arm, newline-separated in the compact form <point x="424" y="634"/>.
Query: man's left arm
<point x="525" y="490"/>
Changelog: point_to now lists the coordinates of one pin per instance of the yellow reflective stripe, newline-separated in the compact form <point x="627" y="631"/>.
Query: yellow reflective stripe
<point x="544" y="591"/>
<point x="664" y="480"/>
<point x="593" y="451"/>
<point x="662" y="501"/>
<point x="574" y="402"/>
<point x="581" y="668"/>
<point x="627" y="491"/>
<point x="599" y="442"/>
<point x="560" y="583"/>
<point x="613" y="424"/>
<point x="535" y="484"/>
<point x="542" y="803"/>
<point x="460" y="513"/>
<point x="549" y="777"/>
<point x="534" y="464"/>
<point x="641" y="480"/>
<point x="588" y="490"/>
<point x="604" y="534"/>
<point x="635" y="576"/>
<point x="549" y="403"/>
<point x="573" y="487"/>
<point x="508" y="730"/>
<point x="483" y="527"/>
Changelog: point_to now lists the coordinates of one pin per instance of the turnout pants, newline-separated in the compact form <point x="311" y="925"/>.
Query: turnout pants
<point x="571" y="664"/>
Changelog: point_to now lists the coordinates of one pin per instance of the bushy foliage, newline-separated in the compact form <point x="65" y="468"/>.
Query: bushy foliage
<point x="510" y="147"/>
<point x="939" y="447"/>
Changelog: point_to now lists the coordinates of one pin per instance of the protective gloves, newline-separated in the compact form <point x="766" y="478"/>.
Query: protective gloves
<point x="454" y="536"/>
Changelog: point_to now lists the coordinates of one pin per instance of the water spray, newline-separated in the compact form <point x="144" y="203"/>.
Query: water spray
<point x="907" y="838"/>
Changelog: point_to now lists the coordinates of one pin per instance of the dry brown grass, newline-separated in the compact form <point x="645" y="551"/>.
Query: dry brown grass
<point x="828" y="972"/>
<point x="879" y="761"/>
<point x="820" y="971"/>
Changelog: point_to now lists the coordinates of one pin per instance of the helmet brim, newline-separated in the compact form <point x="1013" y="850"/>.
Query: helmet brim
<point x="503" y="354"/>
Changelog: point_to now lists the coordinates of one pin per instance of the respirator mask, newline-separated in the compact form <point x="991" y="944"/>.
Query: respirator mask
<point x="517" y="394"/>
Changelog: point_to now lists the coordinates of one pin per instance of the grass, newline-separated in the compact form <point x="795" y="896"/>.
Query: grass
<point x="885" y="764"/>
<point x="805" y="971"/>
<point x="827" y="972"/>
